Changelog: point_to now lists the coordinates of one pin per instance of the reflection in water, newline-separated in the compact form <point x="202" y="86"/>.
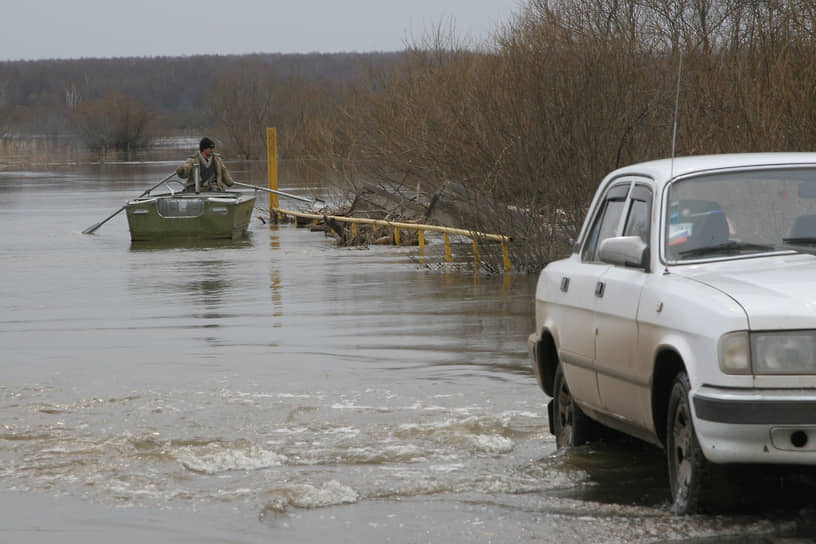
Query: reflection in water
<point x="275" y="283"/>
<point x="204" y="280"/>
<point x="624" y="471"/>
<point x="204" y="284"/>
<point x="200" y="278"/>
<point x="274" y="238"/>
<point x="210" y="290"/>
<point x="189" y="244"/>
<point x="618" y="471"/>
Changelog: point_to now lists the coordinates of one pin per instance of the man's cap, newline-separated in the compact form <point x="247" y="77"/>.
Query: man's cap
<point x="205" y="143"/>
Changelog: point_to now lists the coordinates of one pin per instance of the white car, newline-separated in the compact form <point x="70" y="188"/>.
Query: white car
<point x="686" y="316"/>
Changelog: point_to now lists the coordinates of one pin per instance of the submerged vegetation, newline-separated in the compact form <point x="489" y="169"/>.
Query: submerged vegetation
<point x="566" y="91"/>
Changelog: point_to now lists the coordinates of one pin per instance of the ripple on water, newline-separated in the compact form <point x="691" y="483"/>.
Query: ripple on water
<point x="133" y="451"/>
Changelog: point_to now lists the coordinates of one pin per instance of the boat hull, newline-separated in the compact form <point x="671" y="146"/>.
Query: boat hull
<point x="210" y="215"/>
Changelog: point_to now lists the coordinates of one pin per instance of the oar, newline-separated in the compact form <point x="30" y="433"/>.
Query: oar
<point x="312" y="202"/>
<point x="92" y="228"/>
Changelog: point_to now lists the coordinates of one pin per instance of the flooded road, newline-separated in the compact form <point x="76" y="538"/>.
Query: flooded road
<point x="282" y="389"/>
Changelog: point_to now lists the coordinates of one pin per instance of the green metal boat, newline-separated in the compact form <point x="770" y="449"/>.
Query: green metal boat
<point x="205" y="215"/>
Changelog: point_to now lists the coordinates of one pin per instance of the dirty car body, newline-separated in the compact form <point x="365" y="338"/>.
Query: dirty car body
<point x="686" y="316"/>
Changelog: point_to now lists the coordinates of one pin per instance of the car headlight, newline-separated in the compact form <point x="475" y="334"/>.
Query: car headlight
<point x="784" y="352"/>
<point x="788" y="352"/>
<point x="735" y="353"/>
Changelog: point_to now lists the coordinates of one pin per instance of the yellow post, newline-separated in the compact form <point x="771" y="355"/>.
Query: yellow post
<point x="354" y="229"/>
<point x="477" y="258"/>
<point x="421" y="235"/>
<point x="396" y="236"/>
<point x="272" y="165"/>
<point x="447" y="248"/>
<point x="506" y="254"/>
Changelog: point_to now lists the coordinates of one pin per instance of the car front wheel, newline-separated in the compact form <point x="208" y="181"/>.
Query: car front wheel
<point x="570" y="425"/>
<point x="688" y="468"/>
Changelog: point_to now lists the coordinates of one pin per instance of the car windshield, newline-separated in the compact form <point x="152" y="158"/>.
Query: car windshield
<point x="741" y="213"/>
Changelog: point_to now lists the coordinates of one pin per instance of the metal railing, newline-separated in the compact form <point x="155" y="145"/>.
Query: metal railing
<point x="475" y="236"/>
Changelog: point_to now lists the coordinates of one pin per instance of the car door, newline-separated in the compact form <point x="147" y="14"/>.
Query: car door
<point x="575" y="294"/>
<point x="623" y="387"/>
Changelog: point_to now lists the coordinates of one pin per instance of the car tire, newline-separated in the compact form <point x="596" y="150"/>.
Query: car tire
<point x="570" y="425"/>
<point x="689" y="470"/>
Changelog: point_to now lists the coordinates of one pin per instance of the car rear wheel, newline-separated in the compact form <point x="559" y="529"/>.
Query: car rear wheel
<point x="570" y="425"/>
<point x="688" y="468"/>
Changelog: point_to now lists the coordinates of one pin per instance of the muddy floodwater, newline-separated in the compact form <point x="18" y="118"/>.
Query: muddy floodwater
<point x="282" y="389"/>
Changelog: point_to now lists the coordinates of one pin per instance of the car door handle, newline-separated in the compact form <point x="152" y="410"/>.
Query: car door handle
<point x="564" y="284"/>
<point x="600" y="287"/>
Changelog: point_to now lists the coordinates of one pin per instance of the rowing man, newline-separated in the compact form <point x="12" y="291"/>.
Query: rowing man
<point x="213" y="174"/>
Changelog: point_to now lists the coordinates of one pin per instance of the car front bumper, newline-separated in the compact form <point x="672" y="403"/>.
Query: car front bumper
<point x="756" y="426"/>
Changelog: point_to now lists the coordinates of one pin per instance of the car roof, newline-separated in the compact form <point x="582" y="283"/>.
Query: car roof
<point x="664" y="170"/>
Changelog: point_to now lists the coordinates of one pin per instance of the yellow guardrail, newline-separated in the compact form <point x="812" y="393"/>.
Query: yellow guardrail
<point x="272" y="168"/>
<point x="475" y="236"/>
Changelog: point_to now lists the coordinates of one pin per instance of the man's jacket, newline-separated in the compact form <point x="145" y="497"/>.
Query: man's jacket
<point x="222" y="176"/>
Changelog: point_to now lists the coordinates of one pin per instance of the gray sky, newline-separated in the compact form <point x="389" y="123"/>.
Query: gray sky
<point x="38" y="29"/>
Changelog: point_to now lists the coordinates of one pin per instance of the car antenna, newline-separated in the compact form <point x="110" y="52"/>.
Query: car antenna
<point x="676" y="109"/>
<point x="674" y="127"/>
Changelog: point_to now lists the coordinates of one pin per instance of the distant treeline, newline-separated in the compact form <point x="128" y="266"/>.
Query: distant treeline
<point x="165" y="94"/>
<point x="528" y="124"/>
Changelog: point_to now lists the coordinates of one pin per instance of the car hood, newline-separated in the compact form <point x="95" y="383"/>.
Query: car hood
<point x="776" y="292"/>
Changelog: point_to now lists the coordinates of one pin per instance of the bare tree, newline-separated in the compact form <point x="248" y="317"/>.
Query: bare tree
<point x="116" y="121"/>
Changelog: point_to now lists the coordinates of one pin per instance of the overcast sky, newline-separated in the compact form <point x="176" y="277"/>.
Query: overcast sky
<point x="40" y="29"/>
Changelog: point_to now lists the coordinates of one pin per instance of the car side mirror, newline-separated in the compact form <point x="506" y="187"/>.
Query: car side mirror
<point x="628" y="251"/>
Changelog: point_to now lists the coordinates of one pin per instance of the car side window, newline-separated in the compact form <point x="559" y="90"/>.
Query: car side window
<point x="606" y="222"/>
<point x="640" y="214"/>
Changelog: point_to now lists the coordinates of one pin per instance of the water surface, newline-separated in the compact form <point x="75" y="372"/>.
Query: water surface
<point x="282" y="389"/>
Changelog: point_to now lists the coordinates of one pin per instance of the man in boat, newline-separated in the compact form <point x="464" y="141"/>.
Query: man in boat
<point x="213" y="174"/>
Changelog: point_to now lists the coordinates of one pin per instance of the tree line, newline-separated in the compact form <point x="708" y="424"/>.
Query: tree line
<point x="124" y="102"/>
<point x="529" y="123"/>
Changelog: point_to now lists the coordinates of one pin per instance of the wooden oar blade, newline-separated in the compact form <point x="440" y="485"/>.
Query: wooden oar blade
<point x="92" y="228"/>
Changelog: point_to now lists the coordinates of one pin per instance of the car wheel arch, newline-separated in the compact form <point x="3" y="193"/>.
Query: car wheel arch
<point x="547" y="361"/>
<point x="668" y="363"/>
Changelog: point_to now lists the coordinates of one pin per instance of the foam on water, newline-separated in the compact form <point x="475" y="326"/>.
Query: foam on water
<point x="215" y="458"/>
<point x="131" y="448"/>
<point x="493" y="443"/>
